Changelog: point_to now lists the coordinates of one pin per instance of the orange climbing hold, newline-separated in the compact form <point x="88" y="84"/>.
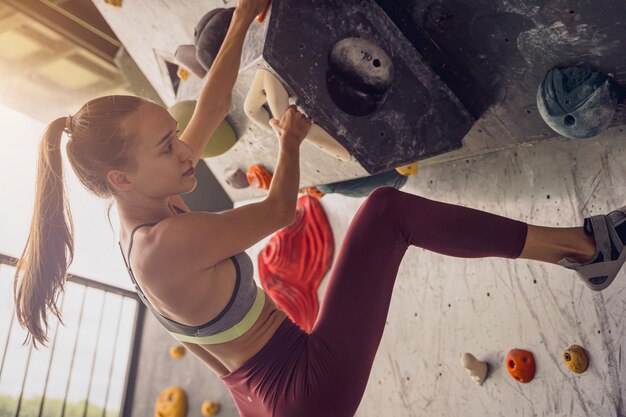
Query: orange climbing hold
<point x="521" y="365"/>
<point x="261" y="16"/>
<point x="313" y="192"/>
<point x="259" y="177"/>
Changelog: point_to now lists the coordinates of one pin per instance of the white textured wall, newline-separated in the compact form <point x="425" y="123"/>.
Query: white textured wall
<point x="441" y="307"/>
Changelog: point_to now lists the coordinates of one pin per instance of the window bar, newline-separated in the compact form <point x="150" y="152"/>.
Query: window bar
<point x="54" y="343"/>
<point x="80" y="320"/>
<point x="19" y="400"/>
<point x="6" y="345"/>
<point x="117" y="333"/>
<point x="95" y="354"/>
<point x="133" y="361"/>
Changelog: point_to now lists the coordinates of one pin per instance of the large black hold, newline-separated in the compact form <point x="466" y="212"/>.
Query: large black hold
<point x="385" y="112"/>
<point x="210" y="33"/>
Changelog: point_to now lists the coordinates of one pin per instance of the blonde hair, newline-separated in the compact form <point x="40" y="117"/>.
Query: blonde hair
<point x="99" y="141"/>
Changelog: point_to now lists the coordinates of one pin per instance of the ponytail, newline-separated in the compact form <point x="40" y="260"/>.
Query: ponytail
<point x="41" y="270"/>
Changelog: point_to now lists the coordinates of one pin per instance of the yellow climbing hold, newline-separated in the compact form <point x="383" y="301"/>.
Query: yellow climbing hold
<point x="182" y="73"/>
<point x="210" y="408"/>
<point x="408" y="170"/>
<point x="576" y="359"/>
<point x="116" y="3"/>
<point x="172" y="402"/>
<point x="177" y="352"/>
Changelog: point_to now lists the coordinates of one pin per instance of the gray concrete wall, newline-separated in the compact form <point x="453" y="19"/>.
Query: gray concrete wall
<point x="208" y="194"/>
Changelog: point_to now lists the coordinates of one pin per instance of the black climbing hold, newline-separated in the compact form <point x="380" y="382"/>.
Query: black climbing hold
<point x="359" y="76"/>
<point x="210" y="33"/>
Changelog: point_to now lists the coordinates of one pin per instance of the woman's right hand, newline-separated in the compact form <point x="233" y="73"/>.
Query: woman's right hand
<point x="253" y="6"/>
<point x="292" y="128"/>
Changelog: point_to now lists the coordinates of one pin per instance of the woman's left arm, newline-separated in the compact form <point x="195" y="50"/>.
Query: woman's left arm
<point x="215" y="98"/>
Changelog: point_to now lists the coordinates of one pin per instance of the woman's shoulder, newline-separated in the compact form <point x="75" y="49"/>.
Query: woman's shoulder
<point x="178" y="244"/>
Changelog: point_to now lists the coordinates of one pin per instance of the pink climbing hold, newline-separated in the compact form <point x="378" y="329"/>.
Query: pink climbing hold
<point x="295" y="260"/>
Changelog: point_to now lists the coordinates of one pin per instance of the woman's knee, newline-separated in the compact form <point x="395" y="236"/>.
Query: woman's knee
<point x="382" y="200"/>
<point x="384" y="192"/>
<point x="391" y="202"/>
<point x="383" y="195"/>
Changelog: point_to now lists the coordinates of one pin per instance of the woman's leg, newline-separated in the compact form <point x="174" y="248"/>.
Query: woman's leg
<point x="551" y="244"/>
<point x="355" y="306"/>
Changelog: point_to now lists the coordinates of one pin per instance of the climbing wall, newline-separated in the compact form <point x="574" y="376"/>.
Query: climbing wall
<point x="494" y="54"/>
<point x="364" y="82"/>
<point x="405" y="114"/>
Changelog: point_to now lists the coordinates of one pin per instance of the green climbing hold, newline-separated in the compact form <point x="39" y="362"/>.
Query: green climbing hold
<point x="223" y="138"/>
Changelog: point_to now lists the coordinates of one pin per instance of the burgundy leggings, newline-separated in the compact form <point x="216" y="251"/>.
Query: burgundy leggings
<point x="324" y="374"/>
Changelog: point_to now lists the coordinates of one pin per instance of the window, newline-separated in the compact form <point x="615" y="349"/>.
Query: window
<point x="84" y="370"/>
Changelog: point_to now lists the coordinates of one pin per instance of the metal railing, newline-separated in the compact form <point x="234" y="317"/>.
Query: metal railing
<point x="83" y="361"/>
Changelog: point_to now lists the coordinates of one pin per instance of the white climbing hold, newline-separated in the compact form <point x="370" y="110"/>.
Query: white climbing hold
<point x="477" y="369"/>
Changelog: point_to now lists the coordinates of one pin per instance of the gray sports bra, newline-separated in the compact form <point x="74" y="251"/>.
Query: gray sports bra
<point x="240" y="313"/>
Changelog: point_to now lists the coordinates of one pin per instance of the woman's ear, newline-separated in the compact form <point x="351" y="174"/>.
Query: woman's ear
<point x="120" y="180"/>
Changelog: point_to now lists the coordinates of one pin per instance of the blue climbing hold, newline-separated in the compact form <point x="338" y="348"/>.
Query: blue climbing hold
<point x="577" y="102"/>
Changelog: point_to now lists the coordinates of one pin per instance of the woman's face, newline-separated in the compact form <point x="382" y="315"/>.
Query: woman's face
<point x="163" y="162"/>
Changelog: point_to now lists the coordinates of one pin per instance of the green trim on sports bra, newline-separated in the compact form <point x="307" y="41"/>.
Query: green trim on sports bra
<point x="232" y="333"/>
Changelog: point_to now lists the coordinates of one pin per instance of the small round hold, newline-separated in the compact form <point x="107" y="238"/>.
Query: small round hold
<point x="576" y="359"/>
<point x="577" y="102"/>
<point x="177" y="352"/>
<point x="210" y="33"/>
<point x="236" y="178"/>
<point x="521" y="365"/>
<point x="210" y="408"/>
<point x="182" y="73"/>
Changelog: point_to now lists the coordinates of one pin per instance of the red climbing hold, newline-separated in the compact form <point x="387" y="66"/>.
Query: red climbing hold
<point x="295" y="260"/>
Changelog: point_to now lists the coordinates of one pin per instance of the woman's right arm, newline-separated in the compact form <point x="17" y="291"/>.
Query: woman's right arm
<point x="291" y="130"/>
<point x="199" y="240"/>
